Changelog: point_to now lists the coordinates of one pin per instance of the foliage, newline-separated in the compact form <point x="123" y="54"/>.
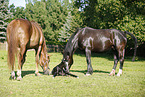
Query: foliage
<point x="52" y="15"/>
<point x="60" y="18"/>
<point x="100" y="84"/>
<point x="125" y="15"/>
<point x="73" y="21"/>
<point x="5" y="16"/>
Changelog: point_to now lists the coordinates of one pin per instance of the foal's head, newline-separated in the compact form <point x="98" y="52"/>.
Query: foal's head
<point x="64" y="66"/>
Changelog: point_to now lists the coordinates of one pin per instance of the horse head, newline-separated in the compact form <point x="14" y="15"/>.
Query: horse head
<point x="44" y="63"/>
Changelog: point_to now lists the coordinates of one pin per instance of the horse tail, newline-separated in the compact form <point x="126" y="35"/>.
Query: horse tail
<point x="12" y="45"/>
<point x="135" y="43"/>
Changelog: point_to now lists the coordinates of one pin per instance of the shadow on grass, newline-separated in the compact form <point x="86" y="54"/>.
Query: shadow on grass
<point x="24" y="73"/>
<point x="108" y="55"/>
<point x="94" y="71"/>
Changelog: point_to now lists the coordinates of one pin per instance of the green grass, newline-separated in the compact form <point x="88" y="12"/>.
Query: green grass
<point x="130" y="84"/>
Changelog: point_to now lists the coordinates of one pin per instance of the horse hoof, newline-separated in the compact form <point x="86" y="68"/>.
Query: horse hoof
<point x="88" y="74"/>
<point x="118" y="74"/>
<point x="12" y="78"/>
<point x="37" y="74"/>
<point x="19" y="78"/>
<point x="112" y="73"/>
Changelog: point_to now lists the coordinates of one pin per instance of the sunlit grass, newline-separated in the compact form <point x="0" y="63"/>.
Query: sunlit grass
<point x="130" y="84"/>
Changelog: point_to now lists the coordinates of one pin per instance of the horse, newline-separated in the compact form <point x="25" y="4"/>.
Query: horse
<point x="96" y="40"/>
<point x="21" y="36"/>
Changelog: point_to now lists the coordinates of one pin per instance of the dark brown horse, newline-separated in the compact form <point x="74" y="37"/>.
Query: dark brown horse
<point x="21" y="36"/>
<point x="97" y="40"/>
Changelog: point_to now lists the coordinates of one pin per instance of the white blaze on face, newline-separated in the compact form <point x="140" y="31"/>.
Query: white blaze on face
<point x="66" y="63"/>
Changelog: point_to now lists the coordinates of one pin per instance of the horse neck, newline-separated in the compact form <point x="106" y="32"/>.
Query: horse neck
<point x="72" y="44"/>
<point x="44" y="52"/>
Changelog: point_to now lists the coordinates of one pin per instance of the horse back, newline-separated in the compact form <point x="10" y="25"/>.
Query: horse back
<point x="98" y="40"/>
<point x="19" y="30"/>
<point x="37" y="37"/>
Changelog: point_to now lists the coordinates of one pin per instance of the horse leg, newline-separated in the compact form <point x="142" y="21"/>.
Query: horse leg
<point x="22" y="55"/>
<point x="13" y="72"/>
<point x="71" y="62"/>
<point x="12" y="75"/>
<point x="115" y="63"/>
<point x="38" y="51"/>
<point x="121" y="56"/>
<point x="88" y="59"/>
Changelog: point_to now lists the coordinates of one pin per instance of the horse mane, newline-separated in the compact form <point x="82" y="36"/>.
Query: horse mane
<point x="44" y="55"/>
<point x="72" y="42"/>
<point x="44" y="43"/>
<point x="44" y="47"/>
<point x="36" y="24"/>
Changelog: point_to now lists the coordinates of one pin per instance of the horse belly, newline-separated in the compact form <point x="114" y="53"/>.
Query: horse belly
<point x="33" y="43"/>
<point x="101" y="45"/>
<point x="34" y="39"/>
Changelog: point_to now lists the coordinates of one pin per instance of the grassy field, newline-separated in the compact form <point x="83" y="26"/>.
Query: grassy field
<point x="130" y="84"/>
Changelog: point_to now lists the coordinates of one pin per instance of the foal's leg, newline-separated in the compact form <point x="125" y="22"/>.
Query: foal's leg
<point x="88" y="59"/>
<point x="38" y="51"/>
<point x="121" y="57"/>
<point x="21" y="59"/>
<point x="115" y="63"/>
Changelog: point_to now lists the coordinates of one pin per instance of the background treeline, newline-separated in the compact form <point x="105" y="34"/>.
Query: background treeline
<point x="60" y="18"/>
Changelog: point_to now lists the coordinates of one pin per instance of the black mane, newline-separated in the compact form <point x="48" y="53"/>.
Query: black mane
<point x="71" y="44"/>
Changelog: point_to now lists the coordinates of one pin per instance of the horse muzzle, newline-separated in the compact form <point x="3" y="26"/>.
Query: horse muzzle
<point x="46" y="72"/>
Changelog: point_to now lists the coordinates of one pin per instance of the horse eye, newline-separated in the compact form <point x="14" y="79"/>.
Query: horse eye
<point x="65" y="60"/>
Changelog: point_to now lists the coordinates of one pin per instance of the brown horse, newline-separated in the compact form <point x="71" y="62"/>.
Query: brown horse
<point x="21" y="36"/>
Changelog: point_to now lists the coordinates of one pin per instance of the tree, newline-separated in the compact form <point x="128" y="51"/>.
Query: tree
<point x="64" y="31"/>
<point x="5" y="16"/>
<point x="56" y="17"/>
<point x="73" y="21"/>
<point x="53" y="16"/>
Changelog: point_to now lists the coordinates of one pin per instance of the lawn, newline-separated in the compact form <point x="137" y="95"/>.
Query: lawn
<point x="130" y="84"/>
